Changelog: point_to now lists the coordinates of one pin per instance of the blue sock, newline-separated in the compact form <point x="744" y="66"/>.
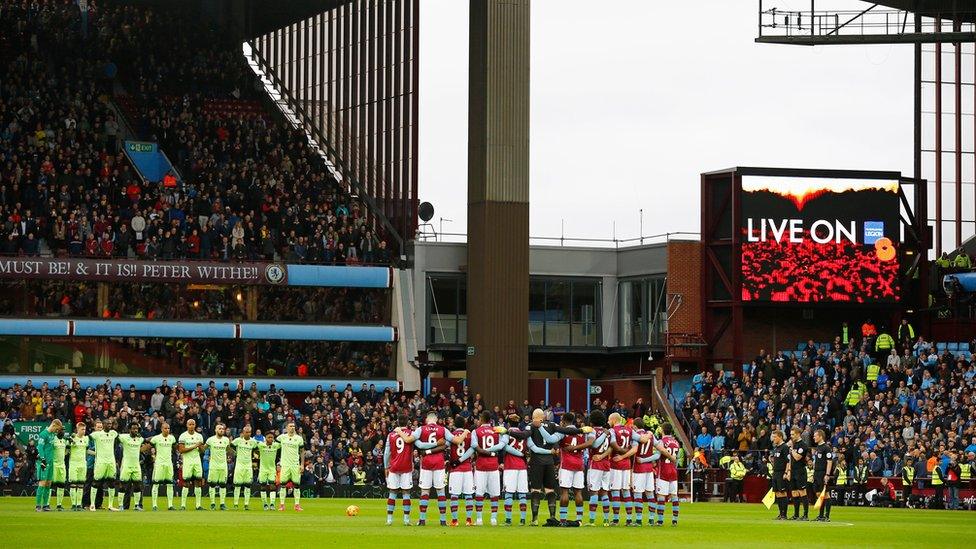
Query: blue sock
<point x="523" y="499"/>
<point x="615" y="498"/>
<point x="454" y="507"/>
<point x="391" y="504"/>
<point x="593" y="503"/>
<point x="468" y="505"/>
<point x="563" y="511"/>
<point x="508" y="506"/>
<point x="674" y="509"/>
<point x="660" y="510"/>
<point x="628" y="504"/>
<point x="639" y="506"/>
<point x="652" y="508"/>
<point x="442" y="504"/>
<point x="605" y="500"/>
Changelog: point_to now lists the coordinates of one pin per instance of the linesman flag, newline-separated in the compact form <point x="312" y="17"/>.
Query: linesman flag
<point x="820" y="499"/>
<point x="769" y="499"/>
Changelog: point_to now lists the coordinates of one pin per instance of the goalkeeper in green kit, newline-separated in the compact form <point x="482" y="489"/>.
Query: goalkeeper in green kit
<point x="103" y="476"/>
<point x="130" y="476"/>
<point x="244" y="447"/>
<point x="45" y="465"/>
<point x="217" y="474"/>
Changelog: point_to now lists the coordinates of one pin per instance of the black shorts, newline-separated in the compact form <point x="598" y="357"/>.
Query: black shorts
<point x="798" y="484"/>
<point x="779" y="483"/>
<point x="542" y="475"/>
<point x="819" y="481"/>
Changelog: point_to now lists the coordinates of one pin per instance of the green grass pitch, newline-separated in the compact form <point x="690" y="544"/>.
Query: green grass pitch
<point x="324" y="524"/>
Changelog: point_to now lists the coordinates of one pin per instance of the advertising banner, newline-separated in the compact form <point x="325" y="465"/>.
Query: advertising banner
<point x="26" y="431"/>
<point x="121" y="270"/>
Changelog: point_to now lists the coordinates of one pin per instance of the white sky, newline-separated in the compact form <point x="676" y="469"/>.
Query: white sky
<point x="633" y="99"/>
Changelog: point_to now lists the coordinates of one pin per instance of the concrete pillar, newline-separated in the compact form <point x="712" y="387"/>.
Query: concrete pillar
<point x="498" y="199"/>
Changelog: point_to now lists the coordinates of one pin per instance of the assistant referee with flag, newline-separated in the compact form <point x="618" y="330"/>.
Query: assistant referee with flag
<point x="823" y="468"/>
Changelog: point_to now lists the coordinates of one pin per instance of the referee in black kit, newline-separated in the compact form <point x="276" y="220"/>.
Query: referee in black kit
<point x="798" y="474"/>
<point x="542" y="466"/>
<point x="780" y="458"/>
<point x="823" y="468"/>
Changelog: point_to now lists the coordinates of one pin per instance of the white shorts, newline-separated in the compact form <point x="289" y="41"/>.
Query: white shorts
<point x="516" y="481"/>
<point x="486" y="483"/>
<point x="598" y="479"/>
<point x="461" y="482"/>
<point x="399" y="481"/>
<point x="667" y="487"/>
<point x="432" y="479"/>
<point x="620" y="479"/>
<point x="643" y="482"/>
<point x="570" y="479"/>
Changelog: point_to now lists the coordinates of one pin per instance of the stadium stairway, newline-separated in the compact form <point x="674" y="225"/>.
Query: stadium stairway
<point x="663" y="405"/>
<point x="403" y="317"/>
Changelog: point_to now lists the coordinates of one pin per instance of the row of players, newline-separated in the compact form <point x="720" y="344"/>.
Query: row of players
<point x="628" y="467"/>
<point x="54" y="450"/>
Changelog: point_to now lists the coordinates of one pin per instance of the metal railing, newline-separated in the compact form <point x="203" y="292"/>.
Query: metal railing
<point x="570" y="241"/>
<point x="873" y="20"/>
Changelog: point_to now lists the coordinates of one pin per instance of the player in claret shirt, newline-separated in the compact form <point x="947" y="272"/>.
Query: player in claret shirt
<point x="487" y="441"/>
<point x="461" y="479"/>
<point x="643" y="477"/>
<point x="667" y="477"/>
<point x="515" y="478"/>
<point x="598" y="477"/>
<point x="398" y="468"/>
<point x="432" y="441"/>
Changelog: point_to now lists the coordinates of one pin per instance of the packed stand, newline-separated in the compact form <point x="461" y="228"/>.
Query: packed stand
<point x="883" y="398"/>
<point x="251" y="186"/>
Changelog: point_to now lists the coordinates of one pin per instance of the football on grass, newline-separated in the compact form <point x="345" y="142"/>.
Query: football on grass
<point x="352" y="510"/>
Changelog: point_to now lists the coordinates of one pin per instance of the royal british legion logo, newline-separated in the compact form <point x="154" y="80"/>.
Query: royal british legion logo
<point x="873" y="230"/>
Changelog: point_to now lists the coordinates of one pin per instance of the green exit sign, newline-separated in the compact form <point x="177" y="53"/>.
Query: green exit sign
<point x="142" y="147"/>
<point x="471" y="350"/>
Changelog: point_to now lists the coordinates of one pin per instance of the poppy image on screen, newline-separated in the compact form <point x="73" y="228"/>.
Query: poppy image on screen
<point x="819" y="240"/>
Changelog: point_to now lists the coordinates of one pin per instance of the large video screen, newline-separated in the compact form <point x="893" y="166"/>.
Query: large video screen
<point x="819" y="240"/>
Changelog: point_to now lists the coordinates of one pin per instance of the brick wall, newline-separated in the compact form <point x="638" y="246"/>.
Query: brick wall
<point x="684" y="277"/>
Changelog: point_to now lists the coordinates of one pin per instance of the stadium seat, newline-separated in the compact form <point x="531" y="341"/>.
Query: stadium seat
<point x="953" y="346"/>
<point x="964" y="346"/>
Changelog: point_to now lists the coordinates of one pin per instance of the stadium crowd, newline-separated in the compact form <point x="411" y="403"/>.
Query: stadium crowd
<point x="324" y="305"/>
<point x="247" y="187"/>
<point x="886" y="401"/>
<point x="344" y="427"/>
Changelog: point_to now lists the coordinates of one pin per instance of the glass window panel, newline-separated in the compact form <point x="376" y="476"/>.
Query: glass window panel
<point x="558" y="313"/>
<point x="585" y="325"/>
<point x="624" y="313"/>
<point x="537" y="312"/>
<point x="443" y="310"/>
